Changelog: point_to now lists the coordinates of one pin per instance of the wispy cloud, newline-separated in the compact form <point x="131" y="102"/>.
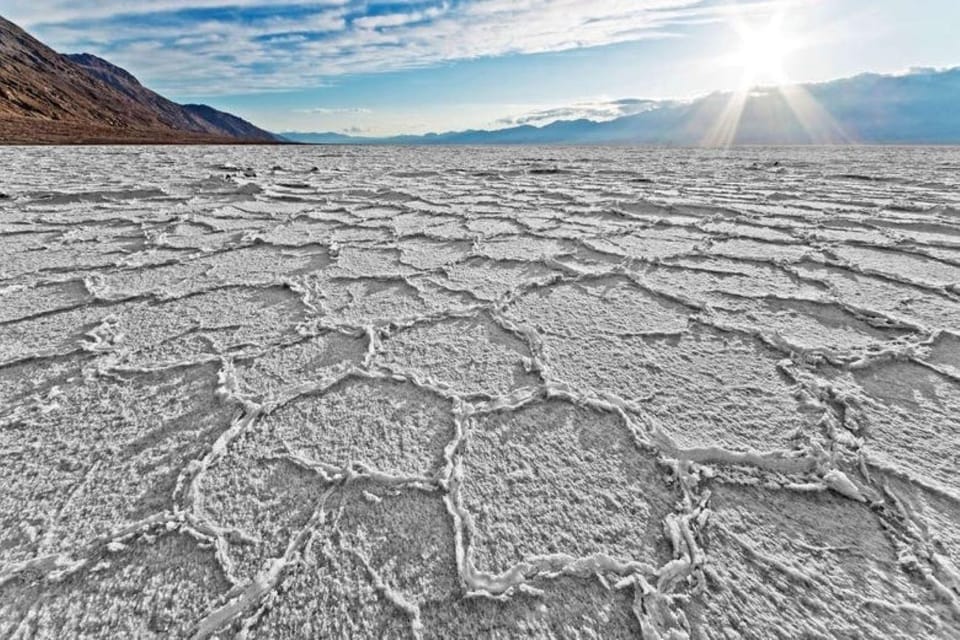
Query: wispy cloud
<point x="33" y="12"/>
<point x="206" y="47"/>
<point x="598" y="111"/>
<point x="332" y="111"/>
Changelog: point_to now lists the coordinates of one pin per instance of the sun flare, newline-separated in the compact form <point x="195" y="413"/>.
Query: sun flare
<point x="763" y="52"/>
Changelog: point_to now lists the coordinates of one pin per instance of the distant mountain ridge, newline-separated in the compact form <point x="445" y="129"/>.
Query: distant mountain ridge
<point x="48" y="97"/>
<point x="921" y="107"/>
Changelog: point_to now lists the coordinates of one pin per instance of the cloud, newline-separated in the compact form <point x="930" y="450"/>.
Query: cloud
<point x="332" y="111"/>
<point x="598" y="111"/>
<point x="29" y="13"/>
<point x="390" y="20"/>
<point x="207" y="47"/>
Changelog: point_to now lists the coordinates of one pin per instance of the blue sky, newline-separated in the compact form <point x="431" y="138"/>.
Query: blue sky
<point x="378" y="67"/>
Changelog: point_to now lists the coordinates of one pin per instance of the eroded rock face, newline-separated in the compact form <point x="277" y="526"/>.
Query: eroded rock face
<point x="292" y="395"/>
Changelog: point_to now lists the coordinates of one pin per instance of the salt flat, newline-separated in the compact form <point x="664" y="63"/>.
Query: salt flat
<point x="324" y="392"/>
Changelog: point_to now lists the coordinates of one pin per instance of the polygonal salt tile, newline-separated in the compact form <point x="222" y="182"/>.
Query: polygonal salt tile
<point x="945" y="353"/>
<point x="32" y="382"/>
<point x="806" y="325"/>
<point x="369" y="262"/>
<point x="927" y="232"/>
<point x="406" y="536"/>
<point x="165" y="280"/>
<point x="582" y="260"/>
<point x="841" y="232"/>
<point x="265" y="264"/>
<point x="909" y="417"/>
<point x="493" y="226"/>
<point x="315" y="359"/>
<point x="650" y="243"/>
<point x="949" y="255"/>
<point x="425" y="254"/>
<point x="791" y="565"/>
<point x="704" y="386"/>
<point x="57" y="333"/>
<point x="394" y="427"/>
<point x="245" y="217"/>
<point x="219" y="321"/>
<point x="191" y="235"/>
<point x="301" y="231"/>
<point x="527" y="247"/>
<point x="59" y="259"/>
<point x="568" y="607"/>
<point x="263" y="497"/>
<point x="106" y="451"/>
<point x="896" y="300"/>
<point x="361" y="235"/>
<point x="737" y="229"/>
<point x="491" y="280"/>
<point x="375" y="212"/>
<point x="934" y="513"/>
<point x="741" y="248"/>
<point x="22" y="302"/>
<point x="28" y="239"/>
<point x="594" y="306"/>
<point x="553" y="477"/>
<point x="707" y="278"/>
<point x="466" y="355"/>
<point x="380" y="555"/>
<point x="154" y="586"/>
<point x="900" y="264"/>
<point x="330" y="594"/>
<point x="364" y="302"/>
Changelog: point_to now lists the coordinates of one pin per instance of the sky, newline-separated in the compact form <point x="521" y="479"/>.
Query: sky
<point x="382" y="67"/>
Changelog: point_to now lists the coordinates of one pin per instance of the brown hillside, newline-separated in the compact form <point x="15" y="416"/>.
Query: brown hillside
<point x="47" y="97"/>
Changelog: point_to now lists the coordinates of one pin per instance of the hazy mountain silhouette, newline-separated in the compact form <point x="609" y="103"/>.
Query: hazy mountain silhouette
<point x="920" y="107"/>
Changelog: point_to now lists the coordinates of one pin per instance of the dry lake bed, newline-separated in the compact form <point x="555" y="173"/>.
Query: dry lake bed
<point x="336" y="392"/>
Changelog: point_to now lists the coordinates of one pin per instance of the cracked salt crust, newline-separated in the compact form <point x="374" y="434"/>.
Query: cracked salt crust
<point x="591" y="393"/>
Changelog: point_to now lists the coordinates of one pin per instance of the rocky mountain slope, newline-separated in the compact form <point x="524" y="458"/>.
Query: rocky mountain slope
<point x="48" y="97"/>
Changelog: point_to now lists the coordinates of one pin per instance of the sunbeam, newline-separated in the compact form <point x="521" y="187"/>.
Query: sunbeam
<point x="816" y="121"/>
<point x="764" y="49"/>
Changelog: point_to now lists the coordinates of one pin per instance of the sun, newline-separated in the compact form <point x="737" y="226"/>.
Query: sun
<point x="762" y="54"/>
<point x="763" y="51"/>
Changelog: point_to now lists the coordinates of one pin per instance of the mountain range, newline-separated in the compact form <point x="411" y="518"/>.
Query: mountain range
<point x="48" y="97"/>
<point x="919" y="107"/>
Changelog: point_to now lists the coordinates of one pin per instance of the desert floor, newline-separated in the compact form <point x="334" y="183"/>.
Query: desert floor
<point x="325" y="392"/>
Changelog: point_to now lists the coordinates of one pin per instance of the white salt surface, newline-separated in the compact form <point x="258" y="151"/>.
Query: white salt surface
<point x="325" y="392"/>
